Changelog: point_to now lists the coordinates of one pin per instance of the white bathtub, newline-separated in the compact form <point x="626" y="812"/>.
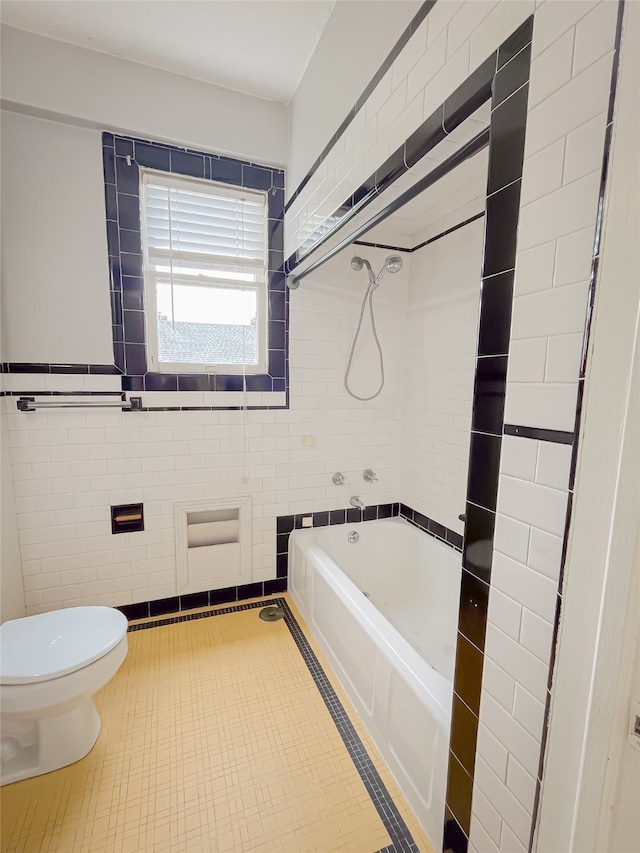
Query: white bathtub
<point x="385" y="612"/>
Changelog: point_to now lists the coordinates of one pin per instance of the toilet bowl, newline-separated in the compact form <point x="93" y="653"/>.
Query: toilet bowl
<point x="51" y="665"/>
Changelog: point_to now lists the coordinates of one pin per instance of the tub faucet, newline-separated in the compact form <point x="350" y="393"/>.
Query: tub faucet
<point x="356" y="502"/>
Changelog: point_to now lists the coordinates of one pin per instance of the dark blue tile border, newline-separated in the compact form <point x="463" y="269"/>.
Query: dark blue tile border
<point x="401" y="838"/>
<point x="207" y="598"/>
<point x="40" y="367"/>
<point x="122" y="156"/>
<point x="65" y="394"/>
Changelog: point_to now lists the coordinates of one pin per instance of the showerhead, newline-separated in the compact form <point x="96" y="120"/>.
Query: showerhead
<point x="357" y="263"/>
<point x="393" y="263"/>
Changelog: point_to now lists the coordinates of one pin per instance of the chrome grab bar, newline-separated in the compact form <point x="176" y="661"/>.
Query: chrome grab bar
<point x="28" y="404"/>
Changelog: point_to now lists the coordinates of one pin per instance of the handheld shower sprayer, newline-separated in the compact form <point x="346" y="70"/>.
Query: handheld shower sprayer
<point x="392" y="264"/>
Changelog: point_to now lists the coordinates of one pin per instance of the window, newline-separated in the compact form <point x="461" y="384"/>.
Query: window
<point x="205" y="275"/>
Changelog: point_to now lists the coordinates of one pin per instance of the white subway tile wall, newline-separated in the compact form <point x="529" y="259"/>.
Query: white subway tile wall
<point x="69" y="467"/>
<point x="532" y="500"/>
<point x="442" y="331"/>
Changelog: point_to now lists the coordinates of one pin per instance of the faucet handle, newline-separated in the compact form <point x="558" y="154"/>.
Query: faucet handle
<point x="338" y="479"/>
<point x="368" y="475"/>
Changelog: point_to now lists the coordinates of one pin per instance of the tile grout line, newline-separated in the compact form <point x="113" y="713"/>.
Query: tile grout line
<point x="402" y="840"/>
<point x="386" y="808"/>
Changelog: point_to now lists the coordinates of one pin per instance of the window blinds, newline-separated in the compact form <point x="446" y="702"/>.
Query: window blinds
<point x="194" y="226"/>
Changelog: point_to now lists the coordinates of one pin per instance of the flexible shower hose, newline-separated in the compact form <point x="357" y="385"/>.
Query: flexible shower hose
<point x="368" y="297"/>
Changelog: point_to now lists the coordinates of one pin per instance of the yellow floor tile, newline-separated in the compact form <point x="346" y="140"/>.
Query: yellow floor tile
<point x="214" y="738"/>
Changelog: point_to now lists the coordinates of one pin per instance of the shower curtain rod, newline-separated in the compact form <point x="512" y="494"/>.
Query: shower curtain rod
<point x="470" y="149"/>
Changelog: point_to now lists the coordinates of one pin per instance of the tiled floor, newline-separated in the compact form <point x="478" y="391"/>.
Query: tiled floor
<point x="216" y="738"/>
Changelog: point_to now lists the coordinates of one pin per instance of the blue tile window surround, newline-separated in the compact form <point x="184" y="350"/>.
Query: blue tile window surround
<point x="122" y="156"/>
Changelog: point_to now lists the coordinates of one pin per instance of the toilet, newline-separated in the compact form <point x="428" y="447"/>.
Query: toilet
<point x="51" y="665"/>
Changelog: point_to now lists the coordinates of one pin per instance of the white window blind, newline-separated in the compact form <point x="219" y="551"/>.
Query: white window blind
<point x="201" y="228"/>
<point x="205" y="259"/>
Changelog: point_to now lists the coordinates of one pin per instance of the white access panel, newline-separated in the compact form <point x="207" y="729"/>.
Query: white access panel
<point x="213" y="543"/>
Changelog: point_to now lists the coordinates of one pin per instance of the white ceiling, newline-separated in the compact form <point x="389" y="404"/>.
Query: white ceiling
<point x="260" y="47"/>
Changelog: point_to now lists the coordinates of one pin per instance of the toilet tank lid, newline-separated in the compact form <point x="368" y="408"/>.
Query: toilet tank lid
<point x="49" y="645"/>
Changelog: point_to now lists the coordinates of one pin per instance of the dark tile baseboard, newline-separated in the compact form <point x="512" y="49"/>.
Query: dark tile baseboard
<point x="207" y="598"/>
<point x="284" y="525"/>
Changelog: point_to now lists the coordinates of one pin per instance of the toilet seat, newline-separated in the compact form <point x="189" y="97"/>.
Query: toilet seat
<point x="49" y="645"/>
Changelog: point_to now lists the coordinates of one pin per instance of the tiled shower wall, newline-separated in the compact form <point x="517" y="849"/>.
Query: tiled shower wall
<point x="572" y="54"/>
<point x="442" y="320"/>
<point x="571" y="74"/>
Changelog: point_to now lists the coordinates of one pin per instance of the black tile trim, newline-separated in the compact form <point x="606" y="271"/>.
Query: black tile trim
<point x="209" y="408"/>
<point x="402" y="840"/>
<point x="418" y="18"/>
<point x="558" y="436"/>
<point x="382" y="246"/>
<point x="285" y="524"/>
<point x="512" y="75"/>
<point x="433" y="528"/>
<point x="448" y="231"/>
<point x="119" y="394"/>
<point x="471" y="94"/>
<point x="455" y="840"/>
<point x="143" y="609"/>
<point x="506" y="152"/>
<point x="40" y="367"/>
<point x="426" y="242"/>
<point x="593" y="280"/>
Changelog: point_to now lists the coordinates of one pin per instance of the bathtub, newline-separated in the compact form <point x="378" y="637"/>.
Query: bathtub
<point x="385" y="612"/>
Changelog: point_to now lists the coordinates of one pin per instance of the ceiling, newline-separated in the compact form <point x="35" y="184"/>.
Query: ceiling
<point x="260" y="47"/>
